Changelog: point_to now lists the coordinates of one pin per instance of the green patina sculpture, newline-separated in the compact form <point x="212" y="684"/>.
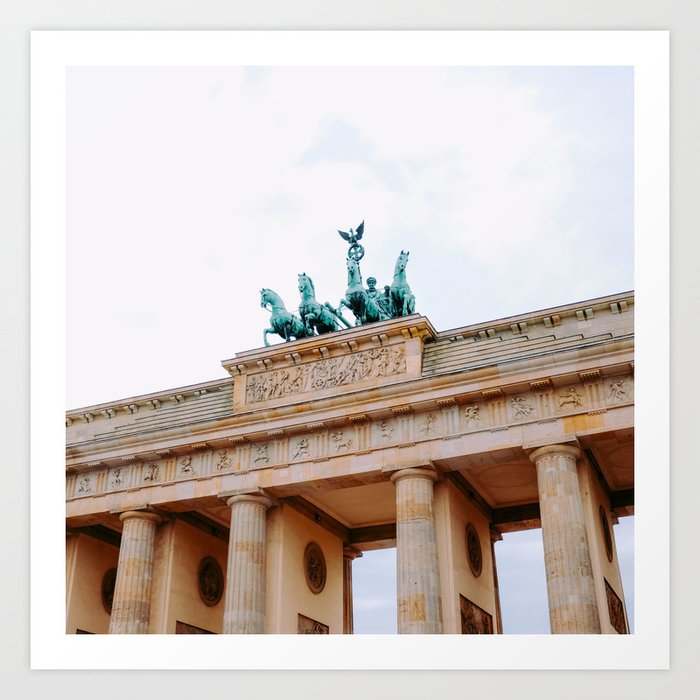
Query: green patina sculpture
<point x="358" y="299"/>
<point x="356" y="251"/>
<point x="368" y="305"/>
<point x="322" y="318"/>
<point x="282" y="322"/>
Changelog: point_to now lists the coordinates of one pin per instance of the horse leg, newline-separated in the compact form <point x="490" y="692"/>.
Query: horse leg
<point x="265" y="332"/>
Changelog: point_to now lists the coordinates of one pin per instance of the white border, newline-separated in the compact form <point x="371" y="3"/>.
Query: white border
<point x="53" y="52"/>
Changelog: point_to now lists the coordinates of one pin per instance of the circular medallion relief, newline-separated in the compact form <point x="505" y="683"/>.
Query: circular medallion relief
<point x="210" y="579"/>
<point x="607" y="537"/>
<point x="314" y="567"/>
<point x="473" y="550"/>
<point x="108" y="582"/>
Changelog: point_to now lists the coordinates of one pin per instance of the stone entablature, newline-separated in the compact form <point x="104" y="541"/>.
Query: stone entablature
<point x="372" y="394"/>
<point x="493" y="410"/>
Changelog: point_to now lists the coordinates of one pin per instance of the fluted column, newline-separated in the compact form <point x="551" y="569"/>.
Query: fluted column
<point x="573" y="608"/>
<point x="349" y="555"/>
<point x="131" y="605"/>
<point x="244" y="606"/>
<point x="417" y="573"/>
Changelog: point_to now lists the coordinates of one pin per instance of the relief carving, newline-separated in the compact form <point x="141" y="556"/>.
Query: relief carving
<point x="474" y="619"/>
<point x="471" y="413"/>
<point x="186" y="465"/>
<point x="618" y="391"/>
<point x="341" y="442"/>
<point x="224" y="461"/>
<point x="385" y="429"/>
<point x="210" y="579"/>
<point x="151" y="473"/>
<point x="261" y="453"/>
<point x="570" y="398"/>
<point x="615" y="609"/>
<point x="522" y="408"/>
<point x="314" y="567"/>
<point x="306" y="625"/>
<point x="429" y="424"/>
<point x="84" y="485"/>
<point x="117" y="480"/>
<point x="326" y="374"/>
<point x="302" y="449"/>
<point x="474" y="556"/>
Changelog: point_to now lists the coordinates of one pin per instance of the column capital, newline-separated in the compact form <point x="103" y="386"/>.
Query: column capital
<point x="256" y="498"/>
<point x="414" y="473"/>
<point x="140" y="515"/>
<point x="564" y="450"/>
<point x="350" y="552"/>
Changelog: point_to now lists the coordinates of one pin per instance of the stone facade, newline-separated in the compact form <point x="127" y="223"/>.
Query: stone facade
<point x="389" y="434"/>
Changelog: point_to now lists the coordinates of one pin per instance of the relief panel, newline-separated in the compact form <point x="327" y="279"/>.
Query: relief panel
<point x="326" y="374"/>
<point x="306" y="625"/>
<point x="619" y="390"/>
<point x="474" y="619"/>
<point x="616" y="609"/>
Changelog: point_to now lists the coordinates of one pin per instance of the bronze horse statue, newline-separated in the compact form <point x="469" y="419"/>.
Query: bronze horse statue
<point x="402" y="299"/>
<point x="282" y="322"/>
<point x="322" y="318"/>
<point x="363" y="306"/>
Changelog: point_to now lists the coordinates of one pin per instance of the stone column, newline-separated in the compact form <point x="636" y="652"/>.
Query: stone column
<point x="349" y="554"/>
<point x="244" y="606"/>
<point x="573" y="608"/>
<point x="131" y="605"/>
<point x="417" y="573"/>
<point x="496" y="536"/>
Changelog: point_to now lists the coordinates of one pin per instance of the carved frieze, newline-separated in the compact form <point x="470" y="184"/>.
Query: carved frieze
<point x="341" y="441"/>
<point x="616" y="609"/>
<point x="300" y="449"/>
<point x="408" y="425"/>
<point x="385" y="429"/>
<point x="85" y="485"/>
<point x="472" y="417"/>
<point x="185" y="467"/>
<point x="306" y="625"/>
<point x="475" y="620"/>
<point x="522" y="407"/>
<point x="429" y="424"/>
<point x="570" y="399"/>
<point x="619" y="390"/>
<point x="117" y="479"/>
<point x="223" y="460"/>
<point x="151" y="472"/>
<point x="326" y="373"/>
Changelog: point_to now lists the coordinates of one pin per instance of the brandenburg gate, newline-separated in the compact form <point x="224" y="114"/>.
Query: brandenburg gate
<point x="238" y="505"/>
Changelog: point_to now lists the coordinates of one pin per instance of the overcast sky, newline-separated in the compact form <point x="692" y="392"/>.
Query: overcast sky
<point x="189" y="189"/>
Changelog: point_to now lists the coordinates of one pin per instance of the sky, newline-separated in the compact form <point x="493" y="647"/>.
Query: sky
<point x="189" y="189"/>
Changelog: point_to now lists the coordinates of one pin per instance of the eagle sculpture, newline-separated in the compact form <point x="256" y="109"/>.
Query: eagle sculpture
<point x="355" y="235"/>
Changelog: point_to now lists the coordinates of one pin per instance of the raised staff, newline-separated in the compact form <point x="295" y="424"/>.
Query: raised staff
<point x="356" y="252"/>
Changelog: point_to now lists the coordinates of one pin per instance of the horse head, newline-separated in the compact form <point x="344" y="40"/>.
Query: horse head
<point x="270" y="298"/>
<point x="354" y="274"/>
<point x="306" y="284"/>
<point x="401" y="262"/>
